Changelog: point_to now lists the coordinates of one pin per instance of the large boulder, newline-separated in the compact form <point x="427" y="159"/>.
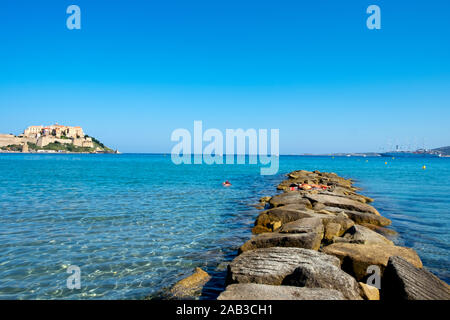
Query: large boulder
<point x="369" y="292"/>
<point x="253" y="291"/>
<point x="345" y="192"/>
<point x="310" y="240"/>
<point x="292" y="197"/>
<point x="363" y="235"/>
<point x="332" y="230"/>
<point x="403" y="281"/>
<point x="272" y="219"/>
<point x="355" y="258"/>
<point x="304" y="225"/>
<point x="342" y="202"/>
<point x="381" y="230"/>
<point x="302" y="174"/>
<point x="340" y="219"/>
<point x="292" y="266"/>
<point x="190" y="286"/>
<point x="367" y="218"/>
<point x="316" y="177"/>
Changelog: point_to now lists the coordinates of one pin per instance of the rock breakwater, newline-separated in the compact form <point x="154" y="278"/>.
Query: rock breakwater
<point x="320" y="239"/>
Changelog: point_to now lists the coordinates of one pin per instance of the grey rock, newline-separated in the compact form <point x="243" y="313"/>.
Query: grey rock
<point x="389" y="233"/>
<point x="362" y="217"/>
<point x="363" y="235"/>
<point x="342" y="202"/>
<point x="305" y="225"/>
<point x="356" y="258"/>
<point x="332" y="230"/>
<point x="253" y="291"/>
<point x="269" y="219"/>
<point x="339" y="219"/>
<point x="403" y="281"/>
<point x="318" y="206"/>
<point x="292" y="266"/>
<point x="292" y="197"/>
<point x="309" y="240"/>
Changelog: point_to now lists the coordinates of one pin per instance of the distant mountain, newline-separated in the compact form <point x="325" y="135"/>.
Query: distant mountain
<point x="444" y="150"/>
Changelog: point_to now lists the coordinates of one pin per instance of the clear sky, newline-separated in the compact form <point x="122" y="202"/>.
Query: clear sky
<point x="137" y="70"/>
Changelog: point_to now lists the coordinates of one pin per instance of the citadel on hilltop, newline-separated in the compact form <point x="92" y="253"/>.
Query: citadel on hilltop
<point x="54" y="138"/>
<point x="58" y="133"/>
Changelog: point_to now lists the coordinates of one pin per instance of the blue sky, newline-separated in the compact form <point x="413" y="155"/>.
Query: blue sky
<point x="137" y="70"/>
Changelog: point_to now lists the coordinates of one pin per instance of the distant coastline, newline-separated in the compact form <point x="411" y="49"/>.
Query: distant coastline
<point x="52" y="139"/>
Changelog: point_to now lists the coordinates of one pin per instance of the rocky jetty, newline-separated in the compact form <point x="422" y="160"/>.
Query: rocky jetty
<point x="320" y="239"/>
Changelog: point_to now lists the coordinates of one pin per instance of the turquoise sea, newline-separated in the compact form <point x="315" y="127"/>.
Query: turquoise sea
<point x="136" y="223"/>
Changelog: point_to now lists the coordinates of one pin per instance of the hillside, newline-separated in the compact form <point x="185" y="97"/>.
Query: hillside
<point x="56" y="146"/>
<point x="53" y="138"/>
<point x="444" y="150"/>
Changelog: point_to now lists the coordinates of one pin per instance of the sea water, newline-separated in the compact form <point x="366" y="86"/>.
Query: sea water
<point x="136" y="223"/>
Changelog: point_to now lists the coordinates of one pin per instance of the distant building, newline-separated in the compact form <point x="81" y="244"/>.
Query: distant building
<point x="83" y="142"/>
<point x="33" y="131"/>
<point x="43" y="136"/>
<point x="55" y="130"/>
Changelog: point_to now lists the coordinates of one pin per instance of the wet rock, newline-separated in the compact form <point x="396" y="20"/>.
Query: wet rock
<point x="369" y="292"/>
<point x="222" y="266"/>
<point x="292" y="266"/>
<point x="190" y="286"/>
<point x="363" y="235"/>
<point x="292" y="197"/>
<point x="355" y="258"/>
<point x="253" y="291"/>
<point x="342" y="202"/>
<point x="261" y="229"/>
<point x="404" y="281"/>
<point x="258" y="206"/>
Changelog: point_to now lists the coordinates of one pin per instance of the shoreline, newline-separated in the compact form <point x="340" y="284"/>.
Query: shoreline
<point x="50" y="152"/>
<point x="281" y="155"/>
<point x="321" y="240"/>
